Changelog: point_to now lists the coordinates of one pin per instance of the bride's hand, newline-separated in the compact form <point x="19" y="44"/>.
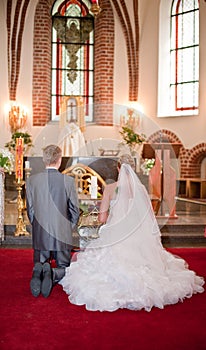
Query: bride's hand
<point x="102" y="217"/>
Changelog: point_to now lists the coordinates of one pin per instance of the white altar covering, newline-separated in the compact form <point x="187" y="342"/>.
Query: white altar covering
<point x="71" y="140"/>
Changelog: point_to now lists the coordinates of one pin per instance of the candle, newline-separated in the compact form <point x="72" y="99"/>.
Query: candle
<point x="19" y="158"/>
<point x="93" y="181"/>
<point x="93" y="187"/>
<point x="27" y="164"/>
<point x="92" y="147"/>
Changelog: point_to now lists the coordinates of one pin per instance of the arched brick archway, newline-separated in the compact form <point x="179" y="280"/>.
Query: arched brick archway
<point x="190" y="159"/>
<point x="164" y="135"/>
<point x="167" y="136"/>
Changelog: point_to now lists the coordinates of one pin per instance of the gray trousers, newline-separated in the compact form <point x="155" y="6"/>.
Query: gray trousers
<point x="62" y="259"/>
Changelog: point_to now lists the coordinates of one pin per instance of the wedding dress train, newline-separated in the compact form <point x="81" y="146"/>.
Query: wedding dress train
<point x="127" y="266"/>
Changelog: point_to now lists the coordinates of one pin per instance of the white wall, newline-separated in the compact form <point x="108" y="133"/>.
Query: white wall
<point x="24" y="90"/>
<point x="191" y="129"/>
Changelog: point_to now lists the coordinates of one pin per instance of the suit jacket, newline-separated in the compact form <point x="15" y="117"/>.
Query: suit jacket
<point x="52" y="208"/>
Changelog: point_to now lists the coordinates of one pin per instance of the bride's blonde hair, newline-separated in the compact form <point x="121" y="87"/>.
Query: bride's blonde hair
<point x="126" y="159"/>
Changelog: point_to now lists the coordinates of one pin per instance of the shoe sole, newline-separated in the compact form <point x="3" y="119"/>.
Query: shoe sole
<point x="46" y="286"/>
<point x="35" y="286"/>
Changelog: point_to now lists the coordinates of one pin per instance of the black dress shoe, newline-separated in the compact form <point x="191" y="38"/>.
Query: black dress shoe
<point x="46" y="285"/>
<point x="35" y="283"/>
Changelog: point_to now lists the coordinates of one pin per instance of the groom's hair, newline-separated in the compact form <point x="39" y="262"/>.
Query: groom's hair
<point x="51" y="154"/>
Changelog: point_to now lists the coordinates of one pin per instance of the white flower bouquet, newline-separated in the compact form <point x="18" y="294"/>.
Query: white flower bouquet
<point x="147" y="165"/>
<point x="6" y="160"/>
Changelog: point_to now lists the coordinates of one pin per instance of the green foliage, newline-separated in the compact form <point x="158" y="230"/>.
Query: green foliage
<point x="3" y="161"/>
<point x="11" y="145"/>
<point x="131" y="138"/>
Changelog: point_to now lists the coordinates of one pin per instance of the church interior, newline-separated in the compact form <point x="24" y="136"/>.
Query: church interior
<point x="102" y="79"/>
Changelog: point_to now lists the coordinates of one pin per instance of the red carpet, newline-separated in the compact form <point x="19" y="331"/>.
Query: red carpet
<point x="53" y="323"/>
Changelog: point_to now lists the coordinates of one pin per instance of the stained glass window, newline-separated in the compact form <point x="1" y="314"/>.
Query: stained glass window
<point x="72" y="55"/>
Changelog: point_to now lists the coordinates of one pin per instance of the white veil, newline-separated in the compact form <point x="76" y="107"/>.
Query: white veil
<point x="127" y="266"/>
<point x="131" y="213"/>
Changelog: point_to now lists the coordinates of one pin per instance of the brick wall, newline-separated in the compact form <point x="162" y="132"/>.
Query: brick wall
<point x="42" y="63"/>
<point x="104" y="65"/>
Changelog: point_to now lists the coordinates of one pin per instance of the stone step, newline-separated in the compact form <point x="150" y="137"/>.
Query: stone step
<point x="183" y="235"/>
<point x="17" y="242"/>
<point x="183" y="241"/>
<point x="171" y="235"/>
<point x="184" y="229"/>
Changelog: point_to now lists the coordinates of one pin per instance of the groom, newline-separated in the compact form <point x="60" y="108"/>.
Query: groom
<point x="53" y="210"/>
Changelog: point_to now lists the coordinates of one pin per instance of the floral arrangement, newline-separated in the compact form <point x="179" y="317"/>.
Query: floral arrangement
<point x="147" y="165"/>
<point x="6" y="160"/>
<point x="131" y="138"/>
<point x="11" y="145"/>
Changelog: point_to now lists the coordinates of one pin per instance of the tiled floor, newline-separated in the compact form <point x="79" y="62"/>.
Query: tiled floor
<point x="189" y="225"/>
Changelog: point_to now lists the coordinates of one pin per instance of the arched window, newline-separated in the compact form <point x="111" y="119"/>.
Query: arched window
<point x="179" y="58"/>
<point x="185" y="54"/>
<point x="72" y="55"/>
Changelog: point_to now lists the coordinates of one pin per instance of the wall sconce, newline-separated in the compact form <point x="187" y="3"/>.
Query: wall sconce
<point x="17" y="117"/>
<point x="95" y="8"/>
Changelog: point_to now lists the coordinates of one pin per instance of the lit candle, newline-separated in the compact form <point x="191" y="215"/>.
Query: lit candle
<point x="93" y="180"/>
<point x="19" y="158"/>
<point x="92" y="147"/>
<point x="27" y="164"/>
<point x="93" y="187"/>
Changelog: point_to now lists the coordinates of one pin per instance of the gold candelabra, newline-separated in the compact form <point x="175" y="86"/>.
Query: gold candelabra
<point x="17" y="118"/>
<point x="20" y="226"/>
<point x="133" y="120"/>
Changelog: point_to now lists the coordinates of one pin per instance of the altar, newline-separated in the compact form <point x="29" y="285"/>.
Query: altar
<point x="106" y="167"/>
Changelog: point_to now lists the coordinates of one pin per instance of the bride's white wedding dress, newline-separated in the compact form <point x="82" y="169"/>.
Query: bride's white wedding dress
<point x="127" y="267"/>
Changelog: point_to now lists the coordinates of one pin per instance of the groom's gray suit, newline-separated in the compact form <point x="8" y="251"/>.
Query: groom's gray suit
<point x="53" y="210"/>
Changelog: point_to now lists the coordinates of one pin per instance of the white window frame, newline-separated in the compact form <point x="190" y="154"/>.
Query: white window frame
<point x="166" y="107"/>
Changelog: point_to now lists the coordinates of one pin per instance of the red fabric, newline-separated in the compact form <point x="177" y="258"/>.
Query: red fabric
<point x="53" y="323"/>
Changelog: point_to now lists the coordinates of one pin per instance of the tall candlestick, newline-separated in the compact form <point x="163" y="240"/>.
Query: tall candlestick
<point x="19" y="158"/>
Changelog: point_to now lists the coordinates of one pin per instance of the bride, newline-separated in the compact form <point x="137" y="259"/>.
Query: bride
<point x="127" y="266"/>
